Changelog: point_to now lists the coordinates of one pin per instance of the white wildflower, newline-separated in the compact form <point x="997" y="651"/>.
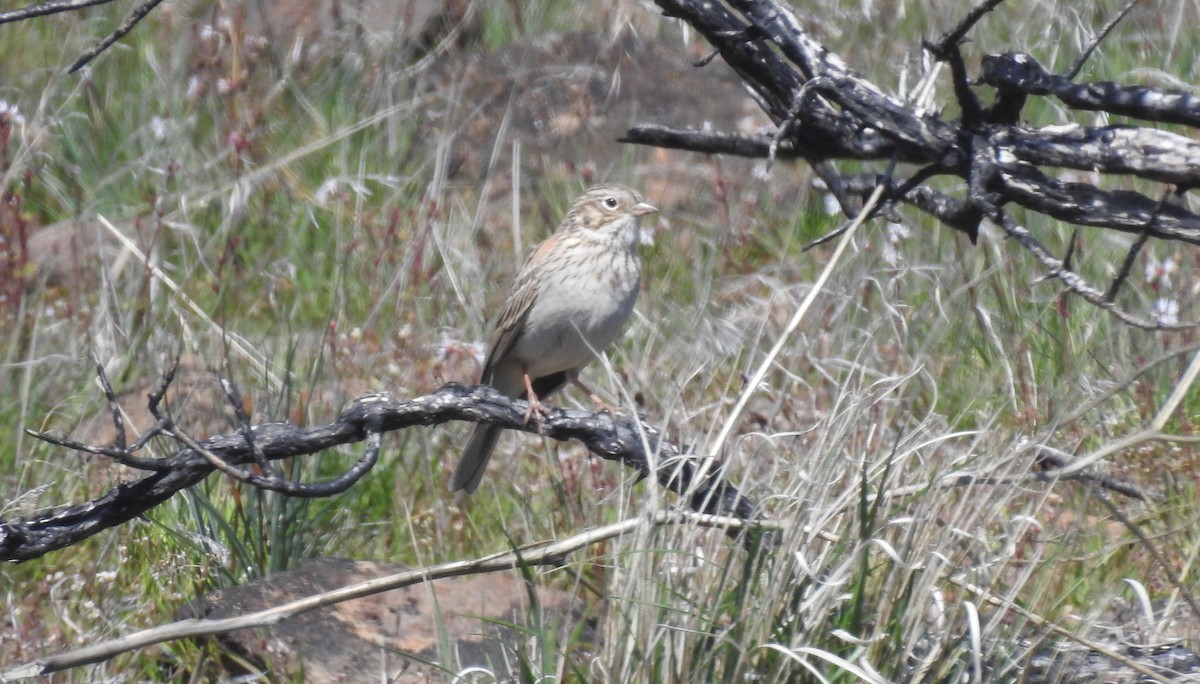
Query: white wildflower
<point x="195" y="88"/>
<point x="9" y="114"/>
<point x="159" y="127"/>
<point x="1166" y="311"/>
<point x="1158" y="273"/>
<point x="327" y="191"/>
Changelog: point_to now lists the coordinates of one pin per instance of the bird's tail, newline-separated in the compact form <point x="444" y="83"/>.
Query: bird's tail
<point x="475" y="457"/>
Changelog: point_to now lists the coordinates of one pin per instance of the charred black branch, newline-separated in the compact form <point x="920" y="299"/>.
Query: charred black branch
<point x="58" y="6"/>
<point x="1100" y="36"/>
<point x="42" y="9"/>
<point x="1074" y="282"/>
<point x="824" y="111"/>
<point x="1130" y="150"/>
<point x="919" y="138"/>
<point x="1083" y="204"/>
<point x="1047" y="462"/>
<point x="733" y="144"/>
<point x="949" y="210"/>
<point x="1022" y="72"/>
<point x="954" y="36"/>
<point x="767" y="74"/>
<point x="132" y="20"/>
<point x="613" y="437"/>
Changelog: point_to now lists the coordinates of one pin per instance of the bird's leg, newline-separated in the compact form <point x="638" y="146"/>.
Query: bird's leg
<point x="535" y="407"/>
<point x="601" y="405"/>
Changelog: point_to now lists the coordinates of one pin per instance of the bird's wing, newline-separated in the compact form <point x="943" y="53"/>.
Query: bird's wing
<point x="509" y="328"/>
<point x="520" y="301"/>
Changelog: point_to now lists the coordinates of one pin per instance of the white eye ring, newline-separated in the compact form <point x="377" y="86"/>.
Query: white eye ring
<point x="610" y="202"/>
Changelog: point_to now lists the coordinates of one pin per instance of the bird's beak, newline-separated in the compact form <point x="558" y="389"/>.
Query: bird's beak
<point x="641" y="209"/>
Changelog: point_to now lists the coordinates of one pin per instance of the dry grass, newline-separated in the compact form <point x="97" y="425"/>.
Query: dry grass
<point x="318" y="212"/>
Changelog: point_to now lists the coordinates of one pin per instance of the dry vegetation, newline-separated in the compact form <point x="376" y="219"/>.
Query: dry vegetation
<point x="335" y="220"/>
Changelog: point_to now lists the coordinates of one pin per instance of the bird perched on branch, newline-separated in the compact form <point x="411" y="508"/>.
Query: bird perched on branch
<point x="569" y="301"/>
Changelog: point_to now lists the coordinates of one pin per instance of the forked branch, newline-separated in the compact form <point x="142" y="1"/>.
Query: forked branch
<point x="614" y="437"/>
<point x="823" y="112"/>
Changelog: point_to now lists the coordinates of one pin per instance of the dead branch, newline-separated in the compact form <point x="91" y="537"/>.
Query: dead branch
<point x="126" y="26"/>
<point x="823" y="112"/>
<point x="42" y="9"/>
<point x="1022" y="72"/>
<point x="58" y="6"/>
<point x="620" y="438"/>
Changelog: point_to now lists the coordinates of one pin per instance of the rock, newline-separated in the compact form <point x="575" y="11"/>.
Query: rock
<point x="390" y="636"/>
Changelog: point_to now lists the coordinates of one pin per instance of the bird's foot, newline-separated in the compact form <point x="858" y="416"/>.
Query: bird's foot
<point x="601" y="406"/>
<point x="535" y="410"/>
<point x="534" y="407"/>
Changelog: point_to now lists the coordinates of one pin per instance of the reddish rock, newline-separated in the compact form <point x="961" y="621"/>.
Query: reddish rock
<point x="390" y="636"/>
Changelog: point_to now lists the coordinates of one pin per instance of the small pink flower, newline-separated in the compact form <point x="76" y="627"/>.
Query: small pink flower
<point x="238" y="141"/>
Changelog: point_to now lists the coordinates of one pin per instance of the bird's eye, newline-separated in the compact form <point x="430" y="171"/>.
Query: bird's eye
<point x="610" y="202"/>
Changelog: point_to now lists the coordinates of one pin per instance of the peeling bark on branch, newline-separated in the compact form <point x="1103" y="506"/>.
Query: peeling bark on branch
<point x="1128" y="150"/>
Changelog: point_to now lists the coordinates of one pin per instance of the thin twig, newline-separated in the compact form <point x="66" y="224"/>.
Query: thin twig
<point x="111" y="396"/>
<point x="234" y="397"/>
<point x="44" y="8"/>
<point x="828" y="237"/>
<point x="137" y="15"/>
<point x="121" y="456"/>
<point x="1083" y="57"/>
<point x="275" y="482"/>
<point x="1147" y="544"/>
<point x="955" y="35"/>
<point x="1053" y="464"/>
<point x="1073" y="281"/>
<point x="1126" y="266"/>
